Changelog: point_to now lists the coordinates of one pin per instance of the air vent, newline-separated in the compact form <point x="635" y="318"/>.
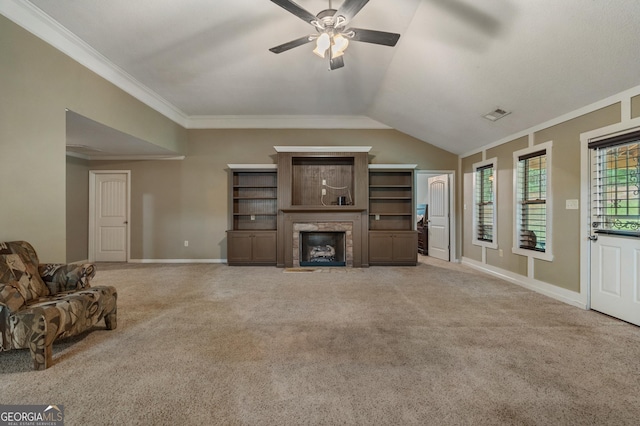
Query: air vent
<point x="496" y="114"/>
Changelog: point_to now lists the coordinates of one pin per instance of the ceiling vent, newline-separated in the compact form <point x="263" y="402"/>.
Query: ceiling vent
<point x="496" y="114"/>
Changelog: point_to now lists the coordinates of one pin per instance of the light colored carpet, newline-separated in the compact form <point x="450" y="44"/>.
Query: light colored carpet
<point x="436" y="344"/>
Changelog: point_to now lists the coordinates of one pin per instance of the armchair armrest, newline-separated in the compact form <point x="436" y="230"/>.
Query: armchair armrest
<point x="62" y="277"/>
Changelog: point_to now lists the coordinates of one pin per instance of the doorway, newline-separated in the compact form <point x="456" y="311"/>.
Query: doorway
<point x="109" y="214"/>
<point x="610" y="259"/>
<point x="435" y="201"/>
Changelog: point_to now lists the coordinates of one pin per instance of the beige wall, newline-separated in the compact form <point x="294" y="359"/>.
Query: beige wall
<point x="508" y="261"/>
<point x="37" y="83"/>
<point x="77" y="204"/>
<point x="635" y="107"/>
<point x="468" y="249"/>
<point x="564" y="270"/>
<point x="174" y="201"/>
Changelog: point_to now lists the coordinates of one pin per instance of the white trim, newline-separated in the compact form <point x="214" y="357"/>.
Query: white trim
<point x="474" y="225"/>
<point x="130" y="157"/>
<point x="548" y="253"/>
<point x="252" y="167"/>
<point x="322" y="148"/>
<point x="92" y="210"/>
<point x="563" y="295"/>
<point x="177" y="260"/>
<point x="283" y="122"/>
<point x="625" y="110"/>
<point x="392" y="166"/>
<point x="619" y="97"/>
<point x="43" y="26"/>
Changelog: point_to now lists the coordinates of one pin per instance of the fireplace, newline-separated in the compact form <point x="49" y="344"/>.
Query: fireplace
<point x="323" y="248"/>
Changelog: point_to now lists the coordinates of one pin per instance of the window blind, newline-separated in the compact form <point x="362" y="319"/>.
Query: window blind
<point x="484" y="203"/>
<point x="532" y="196"/>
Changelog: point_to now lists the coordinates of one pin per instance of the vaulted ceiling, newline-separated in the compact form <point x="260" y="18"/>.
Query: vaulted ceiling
<point x="455" y="61"/>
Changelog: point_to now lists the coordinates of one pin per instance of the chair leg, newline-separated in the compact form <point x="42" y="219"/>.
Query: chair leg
<point x="42" y="357"/>
<point x="111" y="320"/>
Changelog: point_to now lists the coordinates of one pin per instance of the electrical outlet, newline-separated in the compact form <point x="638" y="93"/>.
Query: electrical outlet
<point x="253" y="217"/>
<point x="186" y="243"/>
<point x="377" y="217"/>
<point x="324" y="191"/>
<point x="324" y="182"/>
<point x="500" y="253"/>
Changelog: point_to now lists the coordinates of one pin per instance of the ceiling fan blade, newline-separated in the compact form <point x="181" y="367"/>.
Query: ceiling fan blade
<point x="375" y="37"/>
<point x="350" y="8"/>
<point x="335" y="63"/>
<point x="291" y="44"/>
<point x="296" y="10"/>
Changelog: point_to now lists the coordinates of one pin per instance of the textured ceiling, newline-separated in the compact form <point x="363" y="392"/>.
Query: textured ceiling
<point x="456" y="60"/>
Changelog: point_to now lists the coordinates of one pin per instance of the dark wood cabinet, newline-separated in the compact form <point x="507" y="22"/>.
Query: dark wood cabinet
<point x="251" y="248"/>
<point x="393" y="248"/>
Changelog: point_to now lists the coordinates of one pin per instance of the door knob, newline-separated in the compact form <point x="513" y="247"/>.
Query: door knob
<point x="593" y="237"/>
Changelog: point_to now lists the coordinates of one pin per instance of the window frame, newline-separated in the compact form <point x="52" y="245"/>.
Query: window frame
<point x="517" y="203"/>
<point x="493" y="244"/>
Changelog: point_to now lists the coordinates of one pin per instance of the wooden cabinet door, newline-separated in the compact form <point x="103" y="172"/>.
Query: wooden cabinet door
<point x="380" y="248"/>
<point x="405" y="247"/>
<point x="264" y="247"/>
<point x="239" y="247"/>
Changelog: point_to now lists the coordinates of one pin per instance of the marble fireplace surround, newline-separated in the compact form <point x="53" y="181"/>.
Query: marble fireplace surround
<point x="347" y="222"/>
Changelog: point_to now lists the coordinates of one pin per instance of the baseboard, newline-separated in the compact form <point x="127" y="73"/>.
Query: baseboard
<point x="563" y="295"/>
<point x="177" y="260"/>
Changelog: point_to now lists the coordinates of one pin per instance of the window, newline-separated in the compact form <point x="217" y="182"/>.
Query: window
<point x="532" y="202"/>
<point x="616" y="184"/>
<point x="484" y="204"/>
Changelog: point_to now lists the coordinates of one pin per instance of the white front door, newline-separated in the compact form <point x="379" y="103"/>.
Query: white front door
<point x="615" y="240"/>
<point x="438" y="216"/>
<point x="615" y="277"/>
<point x="110" y="216"/>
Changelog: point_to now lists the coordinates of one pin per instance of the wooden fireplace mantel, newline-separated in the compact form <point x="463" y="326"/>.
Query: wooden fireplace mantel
<point x="324" y="186"/>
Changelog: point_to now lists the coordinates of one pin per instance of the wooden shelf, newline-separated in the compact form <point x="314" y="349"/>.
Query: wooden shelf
<point x="254" y="201"/>
<point x="391" y="199"/>
<point x="255" y="198"/>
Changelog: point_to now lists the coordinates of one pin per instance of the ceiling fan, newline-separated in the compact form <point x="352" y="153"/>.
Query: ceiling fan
<point x="332" y="31"/>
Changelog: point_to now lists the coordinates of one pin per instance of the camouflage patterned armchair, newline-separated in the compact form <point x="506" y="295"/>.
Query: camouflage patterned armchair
<point x="43" y="302"/>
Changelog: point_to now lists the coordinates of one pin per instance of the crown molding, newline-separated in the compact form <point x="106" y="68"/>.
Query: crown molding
<point x="43" y="26"/>
<point x="322" y="148"/>
<point x="284" y="122"/>
<point x="124" y="157"/>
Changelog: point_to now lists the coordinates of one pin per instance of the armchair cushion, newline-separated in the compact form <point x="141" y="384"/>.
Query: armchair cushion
<point x="60" y="277"/>
<point x="19" y="265"/>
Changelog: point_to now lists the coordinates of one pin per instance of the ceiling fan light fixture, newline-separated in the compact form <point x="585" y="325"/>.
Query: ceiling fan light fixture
<point x="339" y="45"/>
<point x="322" y="45"/>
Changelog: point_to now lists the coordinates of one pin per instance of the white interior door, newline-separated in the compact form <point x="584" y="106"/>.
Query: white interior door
<point x="438" y="216"/>
<point x="110" y="216"/>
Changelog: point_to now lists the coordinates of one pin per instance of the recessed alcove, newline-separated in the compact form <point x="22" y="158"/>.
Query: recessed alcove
<point x="322" y="248"/>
